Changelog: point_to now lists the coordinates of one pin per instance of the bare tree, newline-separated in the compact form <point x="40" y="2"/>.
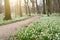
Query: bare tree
<point x="48" y="6"/>
<point x="16" y="8"/>
<point x="33" y="6"/>
<point x="58" y="1"/>
<point x="0" y="6"/>
<point x="37" y="7"/>
<point x="25" y="2"/>
<point x="20" y="9"/>
<point x="7" y="10"/>
<point x="28" y="8"/>
<point x="44" y="11"/>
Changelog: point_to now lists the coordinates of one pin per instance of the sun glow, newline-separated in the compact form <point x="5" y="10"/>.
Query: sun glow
<point x="12" y="2"/>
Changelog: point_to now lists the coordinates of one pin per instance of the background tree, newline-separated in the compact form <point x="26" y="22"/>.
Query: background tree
<point x="37" y="7"/>
<point x="44" y="12"/>
<point x="0" y="6"/>
<point x="33" y="6"/>
<point x="25" y="3"/>
<point x="20" y="8"/>
<point x="28" y="8"/>
<point x="58" y="1"/>
<point x="54" y="5"/>
<point x="48" y="6"/>
<point x="7" y="10"/>
<point x="16" y="8"/>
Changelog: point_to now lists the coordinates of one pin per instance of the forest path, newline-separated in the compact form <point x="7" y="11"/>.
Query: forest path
<point x="9" y="29"/>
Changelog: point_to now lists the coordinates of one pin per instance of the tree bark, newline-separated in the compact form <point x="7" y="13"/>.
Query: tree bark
<point x="16" y="8"/>
<point x="44" y="11"/>
<point x="26" y="6"/>
<point x="0" y="6"/>
<point x="37" y="8"/>
<point x="48" y="6"/>
<point x="58" y="1"/>
<point x="20" y="9"/>
<point x="33" y="6"/>
<point x="7" y="10"/>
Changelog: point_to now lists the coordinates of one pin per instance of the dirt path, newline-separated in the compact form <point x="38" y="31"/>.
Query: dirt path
<point x="9" y="29"/>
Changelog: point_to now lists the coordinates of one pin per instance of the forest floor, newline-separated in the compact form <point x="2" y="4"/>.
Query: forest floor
<point x="10" y="29"/>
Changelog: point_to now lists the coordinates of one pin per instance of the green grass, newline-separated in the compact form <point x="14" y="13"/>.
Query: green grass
<point x="46" y="28"/>
<point x="3" y="22"/>
<point x="14" y="19"/>
<point x="53" y="14"/>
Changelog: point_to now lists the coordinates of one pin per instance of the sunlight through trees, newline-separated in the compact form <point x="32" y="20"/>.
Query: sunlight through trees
<point x="7" y="10"/>
<point x="27" y="7"/>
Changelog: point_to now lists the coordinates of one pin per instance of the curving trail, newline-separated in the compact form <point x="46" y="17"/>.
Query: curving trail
<point x="9" y="29"/>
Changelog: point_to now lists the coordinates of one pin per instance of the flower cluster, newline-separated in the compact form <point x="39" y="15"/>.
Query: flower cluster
<point x="47" y="28"/>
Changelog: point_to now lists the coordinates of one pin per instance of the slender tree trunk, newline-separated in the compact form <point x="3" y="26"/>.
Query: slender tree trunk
<point x="33" y="6"/>
<point x="58" y="1"/>
<point x="16" y="8"/>
<point x="0" y="6"/>
<point x="20" y="9"/>
<point x="44" y="11"/>
<point x="26" y="6"/>
<point x="37" y="8"/>
<point x="48" y="6"/>
<point x="7" y="10"/>
<point x="56" y="6"/>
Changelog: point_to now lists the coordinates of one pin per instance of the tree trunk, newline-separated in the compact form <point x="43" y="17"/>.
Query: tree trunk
<point x="48" y="6"/>
<point x="58" y="1"/>
<point x="26" y="6"/>
<point x="20" y="9"/>
<point x="44" y="12"/>
<point x="7" y="10"/>
<point x="37" y="8"/>
<point x="0" y="6"/>
<point x="16" y="8"/>
<point x="33" y="6"/>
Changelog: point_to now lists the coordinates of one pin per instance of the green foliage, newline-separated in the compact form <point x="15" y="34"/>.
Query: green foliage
<point x="15" y="18"/>
<point x="46" y="28"/>
<point x="3" y="22"/>
<point x="55" y="14"/>
<point x="51" y="15"/>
